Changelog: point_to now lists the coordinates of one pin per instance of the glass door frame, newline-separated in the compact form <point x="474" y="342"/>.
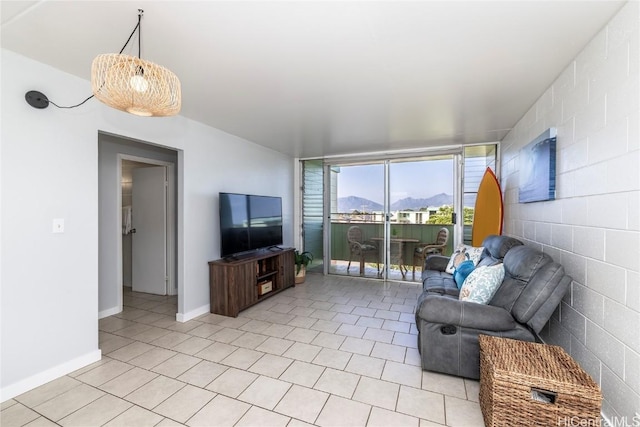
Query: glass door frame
<point x="385" y="161"/>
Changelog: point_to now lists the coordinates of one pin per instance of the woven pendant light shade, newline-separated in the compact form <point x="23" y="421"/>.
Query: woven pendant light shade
<point x="136" y="86"/>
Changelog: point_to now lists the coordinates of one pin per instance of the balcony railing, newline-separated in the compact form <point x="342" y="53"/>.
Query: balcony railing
<point x="424" y="233"/>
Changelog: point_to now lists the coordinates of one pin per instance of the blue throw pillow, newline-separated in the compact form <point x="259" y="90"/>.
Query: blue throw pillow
<point x="462" y="271"/>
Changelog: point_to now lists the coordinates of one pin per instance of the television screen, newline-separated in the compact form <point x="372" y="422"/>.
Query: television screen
<point x="265" y="221"/>
<point x="249" y="223"/>
<point x="234" y="224"/>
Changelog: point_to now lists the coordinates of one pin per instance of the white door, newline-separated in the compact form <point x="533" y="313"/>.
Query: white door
<point x="149" y="220"/>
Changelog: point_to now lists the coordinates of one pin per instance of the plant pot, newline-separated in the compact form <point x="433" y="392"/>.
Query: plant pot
<point x="301" y="275"/>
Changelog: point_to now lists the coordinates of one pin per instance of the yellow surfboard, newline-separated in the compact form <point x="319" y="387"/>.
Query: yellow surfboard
<point x="487" y="216"/>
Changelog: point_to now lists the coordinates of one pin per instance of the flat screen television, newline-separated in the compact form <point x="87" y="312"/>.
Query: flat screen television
<point x="249" y="223"/>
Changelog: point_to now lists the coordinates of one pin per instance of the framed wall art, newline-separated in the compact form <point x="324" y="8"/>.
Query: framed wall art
<point x="538" y="169"/>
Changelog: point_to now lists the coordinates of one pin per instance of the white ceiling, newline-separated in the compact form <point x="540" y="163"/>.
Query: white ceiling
<point x="316" y="78"/>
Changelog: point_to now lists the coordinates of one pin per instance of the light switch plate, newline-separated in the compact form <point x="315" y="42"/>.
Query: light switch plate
<point x="58" y="225"/>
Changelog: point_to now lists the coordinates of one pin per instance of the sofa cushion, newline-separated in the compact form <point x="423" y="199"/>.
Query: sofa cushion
<point x="444" y="309"/>
<point x="533" y="307"/>
<point x="439" y="282"/>
<point x="520" y="264"/>
<point x="523" y="262"/>
<point x="482" y="283"/>
<point x="463" y="253"/>
<point x="435" y="262"/>
<point x="496" y="247"/>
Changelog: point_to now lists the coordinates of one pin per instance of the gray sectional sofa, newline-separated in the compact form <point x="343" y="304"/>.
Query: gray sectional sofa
<point x="448" y="328"/>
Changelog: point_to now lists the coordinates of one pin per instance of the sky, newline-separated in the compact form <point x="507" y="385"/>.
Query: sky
<point x="419" y="179"/>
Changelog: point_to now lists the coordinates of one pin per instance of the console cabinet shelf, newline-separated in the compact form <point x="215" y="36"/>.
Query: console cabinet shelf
<point x="238" y="284"/>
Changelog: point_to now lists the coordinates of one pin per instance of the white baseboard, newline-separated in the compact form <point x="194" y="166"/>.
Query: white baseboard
<point x="108" y="312"/>
<point x="51" y="374"/>
<point x="185" y="317"/>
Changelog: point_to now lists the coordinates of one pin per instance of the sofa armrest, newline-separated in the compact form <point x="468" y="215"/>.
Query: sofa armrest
<point x="436" y="262"/>
<point x="450" y="311"/>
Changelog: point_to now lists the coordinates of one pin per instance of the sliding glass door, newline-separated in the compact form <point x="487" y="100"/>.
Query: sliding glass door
<point x="423" y="199"/>
<point x="381" y="211"/>
<point x="390" y="207"/>
<point x="357" y="218"/>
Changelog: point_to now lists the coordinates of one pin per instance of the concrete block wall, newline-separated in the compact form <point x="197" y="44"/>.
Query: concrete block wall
<point x="593" y="225"/>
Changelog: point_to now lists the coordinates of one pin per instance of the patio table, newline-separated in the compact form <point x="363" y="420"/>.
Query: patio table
<point x="397" y="257"/>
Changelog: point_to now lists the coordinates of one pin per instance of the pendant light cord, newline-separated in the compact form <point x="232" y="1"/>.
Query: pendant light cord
<point x="70" y="106"/>
<point x="140" y="13"/>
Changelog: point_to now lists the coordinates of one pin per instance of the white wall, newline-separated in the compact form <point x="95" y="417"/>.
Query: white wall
<point x="593" y="226"/>
<point x="49" y="169"/>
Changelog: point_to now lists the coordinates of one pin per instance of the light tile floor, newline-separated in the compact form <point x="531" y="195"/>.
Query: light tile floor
<point x="334" y="351"/>
<point x="339" y="267"/>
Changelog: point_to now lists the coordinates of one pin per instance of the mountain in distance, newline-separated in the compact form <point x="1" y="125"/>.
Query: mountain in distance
<point x="415" y="204"/>
<point x="351" y="203"/>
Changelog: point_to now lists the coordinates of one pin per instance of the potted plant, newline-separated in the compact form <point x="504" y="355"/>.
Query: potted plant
<point x="302" y="259"/>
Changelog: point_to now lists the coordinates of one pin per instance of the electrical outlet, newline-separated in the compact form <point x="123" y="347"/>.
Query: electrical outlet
<point x="58" y="225"/>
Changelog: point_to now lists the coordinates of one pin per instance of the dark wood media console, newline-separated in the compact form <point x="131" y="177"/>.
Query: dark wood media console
<point x="236" y="284"/>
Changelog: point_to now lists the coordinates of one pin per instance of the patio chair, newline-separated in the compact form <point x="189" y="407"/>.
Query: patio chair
<point x="360" y="249"/>
<point x="423" y="250"/>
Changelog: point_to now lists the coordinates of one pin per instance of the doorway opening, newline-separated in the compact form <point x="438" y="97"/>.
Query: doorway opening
<point x="120" y="159"/>
<point x="147" y="234"/>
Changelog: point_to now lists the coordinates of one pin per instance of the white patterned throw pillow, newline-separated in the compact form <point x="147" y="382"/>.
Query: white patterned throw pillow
<point x="464" y="253"/>
<point x="482" y="283"/>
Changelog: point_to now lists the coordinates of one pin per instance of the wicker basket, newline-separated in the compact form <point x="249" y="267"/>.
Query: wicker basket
<point x="524" y="383"/>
